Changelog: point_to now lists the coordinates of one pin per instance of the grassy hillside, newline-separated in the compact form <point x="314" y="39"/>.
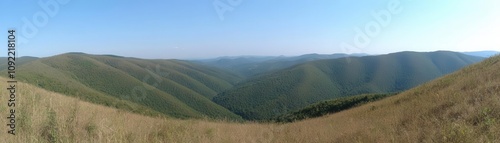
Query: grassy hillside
<point x="461" y="107"/>
<point x="175" y="88"/>
<point x="290" y="89"/>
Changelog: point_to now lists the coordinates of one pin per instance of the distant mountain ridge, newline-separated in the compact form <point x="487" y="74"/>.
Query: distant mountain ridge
<point x="249" y="66"/>
<point x="485" y="54"/>
<point x="276" y="93"/>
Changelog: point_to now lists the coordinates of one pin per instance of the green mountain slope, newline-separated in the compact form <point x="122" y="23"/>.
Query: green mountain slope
<point x="175" y="88"/>
<point x="290" y="89"/>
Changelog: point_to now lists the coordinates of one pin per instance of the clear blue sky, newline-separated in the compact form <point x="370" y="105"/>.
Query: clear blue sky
<point x="193" y="28"/>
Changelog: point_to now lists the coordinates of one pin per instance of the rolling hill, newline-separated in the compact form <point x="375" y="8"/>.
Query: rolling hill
<point x="290" y="89"/>
<point x="172" y="87"/>
<point x="460" y="107"/>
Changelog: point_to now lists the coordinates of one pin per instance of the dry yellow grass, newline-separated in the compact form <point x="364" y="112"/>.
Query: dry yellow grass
<point x="462" y="107"/>
<point x="78" y="121"/>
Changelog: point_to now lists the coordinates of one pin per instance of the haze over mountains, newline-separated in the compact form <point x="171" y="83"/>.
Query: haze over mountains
<point x="254" y="65"/>
<point x="485" y="54"/>
<point x="248" y="66"/>
<point x="253" y="88"/>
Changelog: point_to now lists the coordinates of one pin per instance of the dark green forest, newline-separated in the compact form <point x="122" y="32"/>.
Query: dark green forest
<point x="277" y="93"/>
<point x="329" y="107"/>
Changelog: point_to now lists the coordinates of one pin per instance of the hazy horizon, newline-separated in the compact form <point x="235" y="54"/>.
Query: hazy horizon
<point x="216" y="28"/>
<point x="237" y="56"/>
